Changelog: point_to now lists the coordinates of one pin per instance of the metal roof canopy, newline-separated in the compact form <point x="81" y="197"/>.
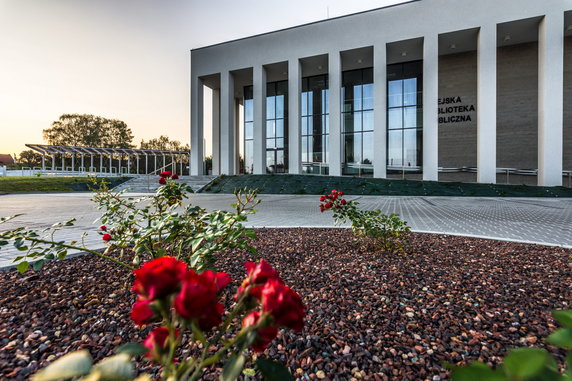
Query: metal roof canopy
<point x="55" y="149"/>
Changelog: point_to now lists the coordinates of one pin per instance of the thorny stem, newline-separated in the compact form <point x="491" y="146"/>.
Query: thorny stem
<point x="99" y="254"/>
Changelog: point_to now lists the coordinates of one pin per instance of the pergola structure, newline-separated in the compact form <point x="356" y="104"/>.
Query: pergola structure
<point x="170" y="159"/>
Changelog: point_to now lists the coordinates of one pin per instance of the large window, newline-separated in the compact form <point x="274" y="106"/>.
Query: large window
<point x="248" y="130"/>
<point x="357" y="122"/>
<point x="404" y="117"/>
<point x="277" y="127"/>
<point x="315" y="124"/>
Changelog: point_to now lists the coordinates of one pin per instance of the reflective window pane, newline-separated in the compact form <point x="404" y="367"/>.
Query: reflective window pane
<point x="412" y="140"/>
<point x="410" y="92"/>
<point x="248" y="156"/>
<point x="270" y="143"/>
<point x="248" y="110"/>
<point x="357" y="121"/>
<point x="270" y="129"/>
<point x="395" y="97"/>
<point x="367" y="121"/>
<point x="394" y="148"/>
<point x="395" y="119"/>
<point x="368" y="97"/>
<point x="367" y="157"/>
<point x="279" y="128"/>
<point x="270" y="107"/>
<point x="410" y="117"/>
<point x="358" y="98"/>
<point x="280" y="143"/>
<point x="248" y="130"/>
<point x="305" y="149"/>
<point x="348" y="122"/>
<point x="280" y="106"/>
<point x="270" y="165"/>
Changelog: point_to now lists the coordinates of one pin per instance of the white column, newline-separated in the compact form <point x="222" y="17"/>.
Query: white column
<point x="259" y="92"/>
<point x="334" y="92"/>
<point x="380" y="111"/>
<point x="430" y="105"/>
<point x="487" y="104"/>
<point x="294" y="88"/>
<point x="227" y="129"/>
<point x="197" y="110"/>
<point x="550" y="99"/>
<point x="216" y="132"/>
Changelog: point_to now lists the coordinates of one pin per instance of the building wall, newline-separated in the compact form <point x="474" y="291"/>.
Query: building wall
<point x="458" y="141"/>
<point x="567" y="164"/>
<point x="517" y="106"/>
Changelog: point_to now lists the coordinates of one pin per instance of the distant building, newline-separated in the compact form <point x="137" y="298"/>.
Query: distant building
<point x="6" y="160"/>
<point x="430" y="89"/>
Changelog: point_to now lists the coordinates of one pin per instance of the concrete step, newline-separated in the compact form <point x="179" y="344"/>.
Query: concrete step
<point x="150" y="184"/>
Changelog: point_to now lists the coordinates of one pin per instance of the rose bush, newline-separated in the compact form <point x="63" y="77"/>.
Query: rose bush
<point x="387" y="233"/>
<point x="185" y="305"/>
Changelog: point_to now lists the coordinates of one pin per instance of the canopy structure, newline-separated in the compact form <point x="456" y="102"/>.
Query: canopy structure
<point x="116" y="161"/>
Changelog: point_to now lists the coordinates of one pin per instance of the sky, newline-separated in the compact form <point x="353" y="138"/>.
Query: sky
<point x="124" y="59"/>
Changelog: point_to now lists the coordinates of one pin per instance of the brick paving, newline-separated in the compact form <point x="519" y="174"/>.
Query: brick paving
<point x="533" y="220"/>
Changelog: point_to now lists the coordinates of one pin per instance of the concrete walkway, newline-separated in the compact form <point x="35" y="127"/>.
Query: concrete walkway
<point x="543" y="221"/>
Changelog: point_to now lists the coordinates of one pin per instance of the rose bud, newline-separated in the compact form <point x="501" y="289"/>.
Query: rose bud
<point x="157" y="342"/>
<point x="162" y="181"/>
<point x="106" y="237"/>
<point x="103" y="228"/>
<point x="165" y="174"/>
<point x="264" y="336"/>
<point x="175" y="177"/>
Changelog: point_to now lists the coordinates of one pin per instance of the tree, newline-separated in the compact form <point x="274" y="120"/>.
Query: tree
<point x="90" y="131"/>
<point x="29" y="158"/>
<point x="164" y="143"/>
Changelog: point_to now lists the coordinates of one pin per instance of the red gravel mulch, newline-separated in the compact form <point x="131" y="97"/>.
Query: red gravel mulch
<point x="370" y="316"/>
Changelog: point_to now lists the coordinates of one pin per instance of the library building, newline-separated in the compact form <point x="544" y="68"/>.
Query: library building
<point x="471" y="91"/>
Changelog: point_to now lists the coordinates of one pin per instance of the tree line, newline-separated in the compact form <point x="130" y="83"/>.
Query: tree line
<point x="86" y="130"/>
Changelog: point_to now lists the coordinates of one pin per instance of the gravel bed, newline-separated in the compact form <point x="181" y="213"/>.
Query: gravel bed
<point x="370" y="316"/>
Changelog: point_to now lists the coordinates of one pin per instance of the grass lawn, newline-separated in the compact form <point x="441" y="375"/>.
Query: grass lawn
<point x="49" y="184"/>
<point x="307" y="184"/>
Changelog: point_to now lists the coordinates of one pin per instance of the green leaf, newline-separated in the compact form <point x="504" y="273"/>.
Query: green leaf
<point x="38" y="264"/>
<point x="526" y="362"/>
<point x="118" y="367"/>
<point x="273" y="371"/>
<point x="563" y="316"/>
<point x="3" y="243"/>
<point x="23" y="267"/>
<point x="475" y="371"/>
<point x="561" y="338"/>
<point x="233" y="368"/>
<point x="132" y="349"/>
<point x="71" y="365"/>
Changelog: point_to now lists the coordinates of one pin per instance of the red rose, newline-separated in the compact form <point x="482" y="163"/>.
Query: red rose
<point x="175" y="177"/>
<point x="284" y="304"/>
<point x="264" y="336"/>
<point x="157" y="341"/>
<point x="197" y="299"/>
<point x="322" y="198"/>
<point x="106" y="237"/>
<point x="219" y="279"/>
<point x="258" y="274"/>
<point x="103" y="228"/>
<point x="343" y="201"/>
<point x="166" y="174"/>
<point x="159" y="277"/>
<point x="162" y="181"/>
<point x="328" y="205"/>
<point x="322" y="208"/>
<point x="141" y="313"/>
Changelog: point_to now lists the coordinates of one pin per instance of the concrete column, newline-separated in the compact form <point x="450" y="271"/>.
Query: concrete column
<point x="550" y="99"/>
<point x="430" y="107"/>
<point x="216" y="132"/>
<point x="227" y="129"/>
<point x="197" y="130"/>
<point x="294" y="88"/>
<point x="259" y="91"/>
<point x="487" y="104"/>
<point x="237" y="141"/>
<point x="334" y="93"/>
<point x="380" y="110"/>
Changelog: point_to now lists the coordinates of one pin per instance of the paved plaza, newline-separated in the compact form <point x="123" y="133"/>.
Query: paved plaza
<point x="543" y="221"/>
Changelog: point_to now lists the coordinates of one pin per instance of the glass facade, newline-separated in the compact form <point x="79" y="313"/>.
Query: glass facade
<point x="315" y="122"/>
<point x="277" y="127"/>
<point x="357" y="122"/>
<point x="404" y="117"/>
<point x="248" y="130"/>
